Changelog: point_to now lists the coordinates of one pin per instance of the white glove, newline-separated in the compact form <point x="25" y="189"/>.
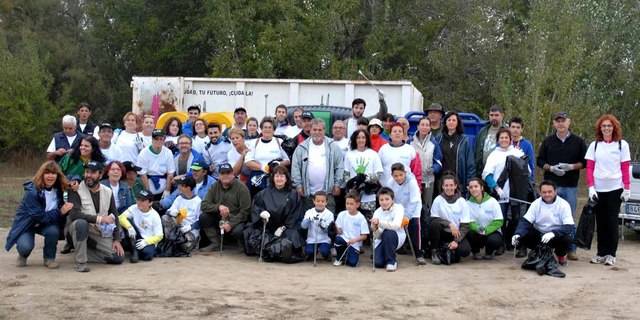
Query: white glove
<point x="141" y="244"/>
<point x="185" y="228"/>
<point x="166" y="193"/>
<point x="132" y="232"/>
<point x="626" y="194"/>
<point x="265" y="215"/>
<point x="515" y="240"/>
<point x="547" y="237"/>
<point x="308" y="215"/>
<point x="500" y="192"/>
<point x="279" y="231"/>
<point x="324" y="224"/>
<point x="557" y="171"/>
<point x="593" y="195"/>
<point x="565" y="166"/>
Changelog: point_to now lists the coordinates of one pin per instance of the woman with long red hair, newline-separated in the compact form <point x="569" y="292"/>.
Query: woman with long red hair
<point x="608" y="159"/>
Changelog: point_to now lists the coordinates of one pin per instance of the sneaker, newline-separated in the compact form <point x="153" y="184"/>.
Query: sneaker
<point x="597" y="259"/>
<point x="392" y="267"/>
<point x="210" y="248"/>
<point x="609" y="260"/>
<point x="562" y="260"/>
<point x="22" y="261"/>
<point x="421" y="261"/>
<point x="337" y="263"/>
<point x="489" y="256"/>
<point x="82" y="267"/>
<point x="434" y="258"/>
<point x="51" y="264"/>
<point x="572" y="256"/>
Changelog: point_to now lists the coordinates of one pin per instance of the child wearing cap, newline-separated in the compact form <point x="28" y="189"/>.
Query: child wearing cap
<point x="183" y="215"/>
<point x="143" y="227"/>
<point x="157" y="167"/>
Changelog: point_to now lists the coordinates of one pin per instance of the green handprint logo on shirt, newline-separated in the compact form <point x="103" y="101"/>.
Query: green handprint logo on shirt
<point x="361" y="166"/>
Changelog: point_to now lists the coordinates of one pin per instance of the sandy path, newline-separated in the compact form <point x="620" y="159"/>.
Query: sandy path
<point x="237" y="287"/>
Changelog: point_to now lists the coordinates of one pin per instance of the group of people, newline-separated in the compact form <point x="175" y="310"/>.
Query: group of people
<point x="285" y="191"/>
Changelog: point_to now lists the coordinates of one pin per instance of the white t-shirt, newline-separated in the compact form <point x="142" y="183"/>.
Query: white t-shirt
<point x="200" y="143"/>
<point x="390" y="155"/>
<point x="146" y="140"/>
<point x="352" y="226"/>
<point x="130" y="145"/>
<point x="50" y="199"/>
<point x="113" y="153"/>
<point x="316" y="234"/>
<point x="193" y="210"/>
<point x="495" y="165"/>
<point x="343" y="144"/>
<point x="545" y="216"/>
<point x="52" y="144"/>
<point x="391" y="220"/>
<point x="317" y="167"/>
<point x="352" y="125"/>
<point x="153" y="164"/>
<point x="607" y="175"/>
<point x="368" y="159"/>
<point x="489" y="143"/>
<point x="456" y="213"/>
<point x="282" y="130"/>
<point x="408" y="195"/>
<point x="148" y="223"/>
<point x="485" y="212"/>
<point x="263" y="152"/>
<point x="293" y="131"/>
<point x="96" y="129"/>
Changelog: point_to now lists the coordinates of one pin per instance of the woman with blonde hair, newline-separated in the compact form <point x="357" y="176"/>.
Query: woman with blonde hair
<point x="42" y="211"/>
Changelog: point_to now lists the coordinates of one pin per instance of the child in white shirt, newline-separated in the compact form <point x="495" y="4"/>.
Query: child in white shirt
<point x="388" y="233"/>
<point x="143" y="226"/>
<point x="352" y="229"/>
<point x="317" y="220"/>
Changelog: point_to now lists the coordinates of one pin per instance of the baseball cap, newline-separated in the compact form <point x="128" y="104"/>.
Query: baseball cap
<point x="105" y="125"/>
<point x="307" y="115"/>
<point x="94" y="166"/>
<point x="129" y="166"/>
<point x="157" y="133"/>
<point x="185" y="180"/>
<point x="375" y="122"/>
<point x="198" y="165"/>
<point x="560" y="115"/>
<point x="144" y="195"/>
<point x="225" y="168"/>
<point x="239" y="109"/>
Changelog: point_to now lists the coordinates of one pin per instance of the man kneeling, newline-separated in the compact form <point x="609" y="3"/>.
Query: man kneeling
<point x="547" y="221"/>
<point x="92" y="222"/>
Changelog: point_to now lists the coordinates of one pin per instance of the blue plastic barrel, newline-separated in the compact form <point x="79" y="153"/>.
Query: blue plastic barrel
<point x="472" y="123"/>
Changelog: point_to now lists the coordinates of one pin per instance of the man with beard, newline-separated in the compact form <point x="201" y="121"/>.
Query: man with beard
<point x="92" y="223"/>
<point x="215" y="152"/>
<point x="486" y="138"/>
<point x="357" y="111"/>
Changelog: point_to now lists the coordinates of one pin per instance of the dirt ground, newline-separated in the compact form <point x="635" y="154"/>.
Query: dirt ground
<point x="234" y="286"/>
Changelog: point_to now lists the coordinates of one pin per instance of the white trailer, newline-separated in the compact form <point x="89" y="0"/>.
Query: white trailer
<point x="154" y="95"/>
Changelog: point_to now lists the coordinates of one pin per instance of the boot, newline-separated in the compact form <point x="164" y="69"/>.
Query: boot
<point x="522" y="252"/>
<point x="434" y="257"/>
<point x="134" y="251"/>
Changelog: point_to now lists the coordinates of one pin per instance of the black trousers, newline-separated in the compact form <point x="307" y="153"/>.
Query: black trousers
<point x="559" y="244"/>
<point x="490" y="242"/>
<point x="607" y="211"/>
<point x="210" y="230"/>
<point x="438" y="237"/>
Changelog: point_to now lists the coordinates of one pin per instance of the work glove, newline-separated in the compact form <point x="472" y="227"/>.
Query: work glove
<point x="515" y="240"/>
<point x="132" y="232"/>
<point x="324" y="224"/>
<point x="547" y="237"/>
<point x="593" y="195"/>
<point x="565" y="166"/>
<point x="557" y="171"/>
<point x="500" y="192"/>
<point x="141" y="244"/>
<point x="186" y="228"/>
<point x="626" y="194"/>
<point x="279" y="231"/>
<point x="264" y="215"/>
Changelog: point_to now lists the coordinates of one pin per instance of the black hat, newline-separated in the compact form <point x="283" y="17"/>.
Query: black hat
<point x="185" y="180"/>
<point x="105" y="125"/>
<point x="435" y="107"/>
<point x="225" y="168"/>
<point x="307" y="115"/>
<point x="129" y="166"/>
<point x="157" y="133"/>
<point x="239" y="109"/>
<point x="198" y="165"/>
<point x="94" y="166"/>
<point x="560" y="115"/>
<point x="144" y="195"/>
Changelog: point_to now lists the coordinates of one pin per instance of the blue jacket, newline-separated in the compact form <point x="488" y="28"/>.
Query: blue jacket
<point x="195" y="156"/>
<point x="125" y="195"/>
<point x="31" y="212"/>
<point x="202" y="192"/>
<point x="187" y="128"/>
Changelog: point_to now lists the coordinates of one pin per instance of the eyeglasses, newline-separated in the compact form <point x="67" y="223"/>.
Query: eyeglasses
<point x="606" y="126"/>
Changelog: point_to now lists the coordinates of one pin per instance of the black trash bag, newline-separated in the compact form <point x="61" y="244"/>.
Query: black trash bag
<point x="447" y="256"/>
<point x="253" y="241"/>
<point x="280" y="249"/>
<point x="174" y="244"/>
<point x="542" y="260"/>
<point x="586" y="226"/>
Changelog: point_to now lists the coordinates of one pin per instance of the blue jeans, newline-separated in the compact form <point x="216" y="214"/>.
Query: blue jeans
<point x="26" y="240"/>
<point x="386" y="250"/>
<point x="571" y="195"/>
<point x="324" y="248"/>
<point x="351" y="257"/>
<point x="147" y="253"/>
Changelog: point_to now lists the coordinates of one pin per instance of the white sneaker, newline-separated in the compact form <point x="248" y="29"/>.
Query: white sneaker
<point x="609" y="260"/>
<point x="597" y="259"/>
<point x="337" y="263"/>
<point x="392" y="267"/>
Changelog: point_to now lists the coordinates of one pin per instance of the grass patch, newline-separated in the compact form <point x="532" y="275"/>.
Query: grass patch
<point x="18" y="168"/>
